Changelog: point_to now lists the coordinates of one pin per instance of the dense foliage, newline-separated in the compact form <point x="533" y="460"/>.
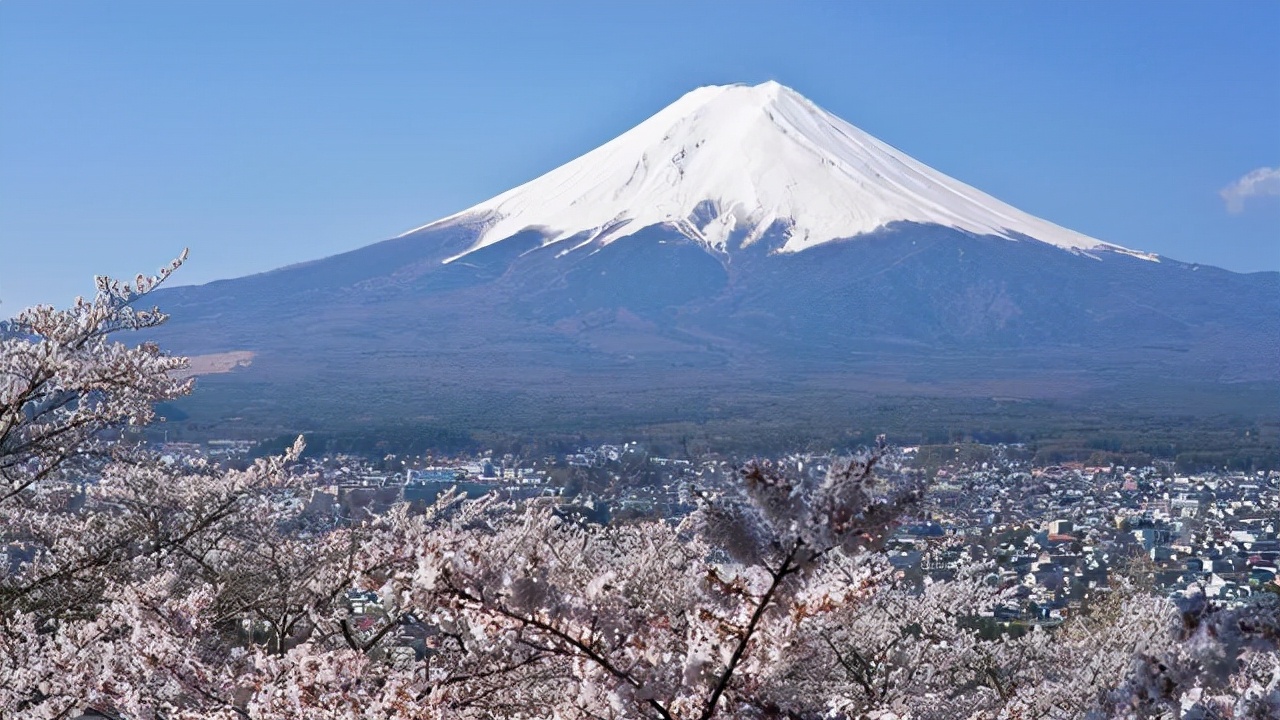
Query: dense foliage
<point x="141" y="587"/>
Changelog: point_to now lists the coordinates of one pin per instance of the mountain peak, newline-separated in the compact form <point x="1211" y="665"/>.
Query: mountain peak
<point x="728" y="161"/>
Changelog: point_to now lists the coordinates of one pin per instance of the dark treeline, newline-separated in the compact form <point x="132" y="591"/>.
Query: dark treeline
<point x="1192" y="447"/>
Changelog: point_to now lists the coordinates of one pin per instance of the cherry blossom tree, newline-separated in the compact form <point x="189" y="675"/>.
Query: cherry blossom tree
<point x="142" y="587"/>
<point x="67" y="392"/>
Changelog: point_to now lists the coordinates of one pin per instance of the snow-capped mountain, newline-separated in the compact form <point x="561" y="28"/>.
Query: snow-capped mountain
<point x="741" y="255"/>
<point x="738" y="159"/>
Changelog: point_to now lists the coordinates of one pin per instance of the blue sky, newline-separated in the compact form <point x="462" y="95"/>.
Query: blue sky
<point x="266" y="133"/>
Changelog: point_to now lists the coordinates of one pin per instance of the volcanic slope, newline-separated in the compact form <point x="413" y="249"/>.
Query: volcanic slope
<point x="741" y="252"/>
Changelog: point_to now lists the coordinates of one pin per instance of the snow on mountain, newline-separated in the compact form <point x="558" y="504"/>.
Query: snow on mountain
<point x="962" y="301"/>
<point x="738" y="158"/>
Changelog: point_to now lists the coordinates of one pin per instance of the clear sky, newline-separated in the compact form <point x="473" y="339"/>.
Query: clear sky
<point x="266" y="133"/>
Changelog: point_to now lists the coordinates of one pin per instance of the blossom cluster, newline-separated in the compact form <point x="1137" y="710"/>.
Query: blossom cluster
<point x="138" y="588"/>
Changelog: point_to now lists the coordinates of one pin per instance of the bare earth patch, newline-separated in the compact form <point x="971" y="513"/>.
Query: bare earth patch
<point x="217" y="363"/>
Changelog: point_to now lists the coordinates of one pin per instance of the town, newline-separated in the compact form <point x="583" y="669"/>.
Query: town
<point x="1054" y="537"/>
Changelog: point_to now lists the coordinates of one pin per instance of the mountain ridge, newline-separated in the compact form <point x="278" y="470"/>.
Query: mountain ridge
<point x="635" y="317"/>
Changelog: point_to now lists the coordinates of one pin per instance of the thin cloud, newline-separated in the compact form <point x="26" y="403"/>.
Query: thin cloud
<point x="1262" y="182"/>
